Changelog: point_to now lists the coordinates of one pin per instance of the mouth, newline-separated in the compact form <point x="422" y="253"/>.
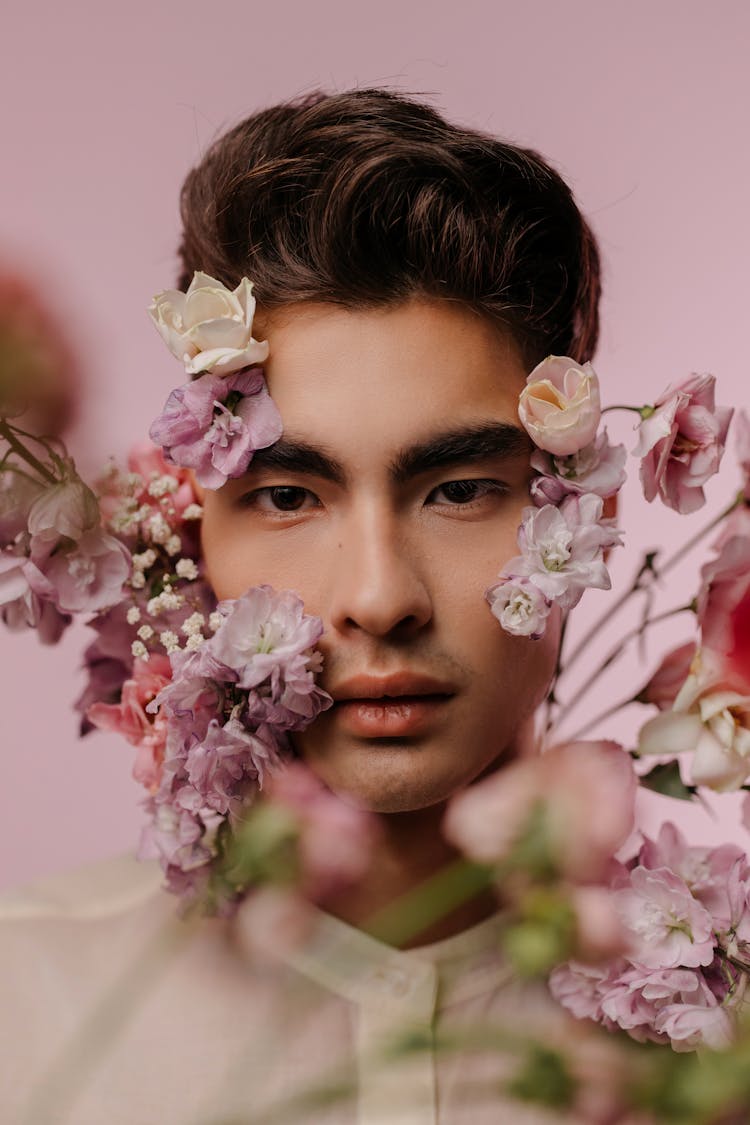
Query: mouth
<point x="395" y="706"/>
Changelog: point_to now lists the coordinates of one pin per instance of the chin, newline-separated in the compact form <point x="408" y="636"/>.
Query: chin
<point x="392" y="778"/>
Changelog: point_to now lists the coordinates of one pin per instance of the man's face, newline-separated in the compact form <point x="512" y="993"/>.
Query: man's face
<point x="389" y="505"/>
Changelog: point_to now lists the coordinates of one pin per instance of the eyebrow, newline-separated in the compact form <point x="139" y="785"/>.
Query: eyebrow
<point x="456" y="446"/>
<point x="469" y="443"/>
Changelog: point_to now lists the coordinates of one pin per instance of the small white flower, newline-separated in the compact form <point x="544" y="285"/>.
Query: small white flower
<point x="145" y="632"/>
<point x="186" y="568"/>
<point x="139" y="650"/>
<point x="158" y="528"/>
<point x="162" y="486"/>
<point x="145" y="559"/>
<point x="154" y="606"/>
<point x="133" y="615"/>
<point x="137" y="580"/>
<point x="193" y="624"/>
<point x="170" y="600"/>
<point x="194" y="641"/>
<point x="193" y="512"/>
<point x="173" y="545"/>
<point x="215" y="620"/>
<point x="170" y="641"/>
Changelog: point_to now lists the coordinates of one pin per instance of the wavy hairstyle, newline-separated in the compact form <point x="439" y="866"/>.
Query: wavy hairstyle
<point x="365" y="198"/>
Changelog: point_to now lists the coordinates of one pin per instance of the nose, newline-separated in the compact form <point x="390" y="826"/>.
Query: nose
<point x="379" y="586"/>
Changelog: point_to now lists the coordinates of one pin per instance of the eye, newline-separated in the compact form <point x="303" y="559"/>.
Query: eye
<point x="280" y="498"/>
<point x="465" y="492"/>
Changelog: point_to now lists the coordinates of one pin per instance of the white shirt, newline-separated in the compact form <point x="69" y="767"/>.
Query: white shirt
<point x="115" y="1012"/>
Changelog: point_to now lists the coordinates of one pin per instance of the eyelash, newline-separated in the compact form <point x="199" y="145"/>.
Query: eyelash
<point x="485" y="487"/>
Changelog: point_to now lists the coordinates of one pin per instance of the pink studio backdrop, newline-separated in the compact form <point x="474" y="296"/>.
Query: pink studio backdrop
<point x="643" y="107"/>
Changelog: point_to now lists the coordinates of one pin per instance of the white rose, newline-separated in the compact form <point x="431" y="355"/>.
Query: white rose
<point x="210" y="327"/>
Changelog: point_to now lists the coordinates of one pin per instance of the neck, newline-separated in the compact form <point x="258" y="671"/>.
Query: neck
<point x="412" y="873"/>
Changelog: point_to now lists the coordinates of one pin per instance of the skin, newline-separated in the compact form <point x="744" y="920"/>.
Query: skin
<point x="395" y="564"/>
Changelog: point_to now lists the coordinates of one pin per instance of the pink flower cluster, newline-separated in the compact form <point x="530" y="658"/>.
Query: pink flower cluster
<point x="56" y="559"/>
<point x="564" y="538"/>
<point x="685" y="912"/>
<point x="215" y="424"/>
<point x="165" y="604"/>
<point x="707" y="687"/>
<point x="227" y="711"/>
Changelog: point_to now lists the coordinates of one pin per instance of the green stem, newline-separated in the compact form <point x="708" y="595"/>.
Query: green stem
<point x="601" y="717"/>
<point x="647" y="567"/>
<point x="411" y="913"/>
<point x="7" y="433"/>
<point x="620" y="406"/>
<point x="617" y="651"/>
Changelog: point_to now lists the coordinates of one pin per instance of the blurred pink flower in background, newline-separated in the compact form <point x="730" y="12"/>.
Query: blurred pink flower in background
<point x="38" y="371"/>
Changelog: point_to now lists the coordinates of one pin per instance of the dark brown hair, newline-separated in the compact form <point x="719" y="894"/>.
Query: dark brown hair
<point x="366" y="198"/>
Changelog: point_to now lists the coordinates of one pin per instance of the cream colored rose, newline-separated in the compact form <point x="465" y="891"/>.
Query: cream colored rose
<point x="559" y="406"/>
<point x="210" y="327"/>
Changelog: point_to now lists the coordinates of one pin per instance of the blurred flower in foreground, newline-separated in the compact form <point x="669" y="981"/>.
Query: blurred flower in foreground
<point x="38" y="373"/>
<point x="549" y="827"/>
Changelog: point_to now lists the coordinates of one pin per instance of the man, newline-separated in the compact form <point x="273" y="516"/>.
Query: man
<point x="408" y="274"/>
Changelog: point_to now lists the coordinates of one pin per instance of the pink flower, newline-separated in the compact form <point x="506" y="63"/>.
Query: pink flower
<point x="667" y="926"/>
<point x="599" y="468"/>
<point x="336" y="838"/>
<point x="17" y="496"/>
<point x="520" y="607"/>
<point x="710" y="720"/>
<point x="690" y="1026"/>
<point x="64" y="510"/>
<point x="580" y="987"/>
<point x="681" y="443"/>
<point x="559" y="406"/>
<point x="214" y="425"/>
<point x="707" y="872"/>
<point x="724" y="609"/>
<point x="84" y="578"/>
<point x="586" y="791"/>
<point x="129" y="717"/>
<point x="742" y="436"/>
<point x="563" y="549"/>
<point x="663" y="687"/>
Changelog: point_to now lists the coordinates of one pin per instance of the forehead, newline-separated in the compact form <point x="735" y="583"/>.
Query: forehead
<point x="389" y="375"/>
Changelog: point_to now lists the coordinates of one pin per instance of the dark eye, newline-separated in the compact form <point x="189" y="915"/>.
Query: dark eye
<point x="287" y="498"/>
<point x="280" y="498"/>
<point x="464" y="491"/>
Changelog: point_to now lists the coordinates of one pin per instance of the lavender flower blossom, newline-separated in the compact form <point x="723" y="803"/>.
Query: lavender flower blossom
<point x="214" y="425"/>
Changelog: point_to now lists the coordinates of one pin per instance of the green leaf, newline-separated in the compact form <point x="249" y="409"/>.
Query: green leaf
<point x="666" y="779"/>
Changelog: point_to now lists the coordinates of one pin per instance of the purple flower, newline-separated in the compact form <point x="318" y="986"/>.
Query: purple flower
<point x="563" y="549"/>
<point x="214" y="425"/>
<point x="599" y="468"/>
<point x="83" y="577"/>
<point x="228" y="757"/>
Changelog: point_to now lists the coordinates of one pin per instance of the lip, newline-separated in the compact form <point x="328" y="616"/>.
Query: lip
<point x="395" y="706"/>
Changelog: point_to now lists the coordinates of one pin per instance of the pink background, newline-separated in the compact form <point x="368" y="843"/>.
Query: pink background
<point x="643" y="107"/>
